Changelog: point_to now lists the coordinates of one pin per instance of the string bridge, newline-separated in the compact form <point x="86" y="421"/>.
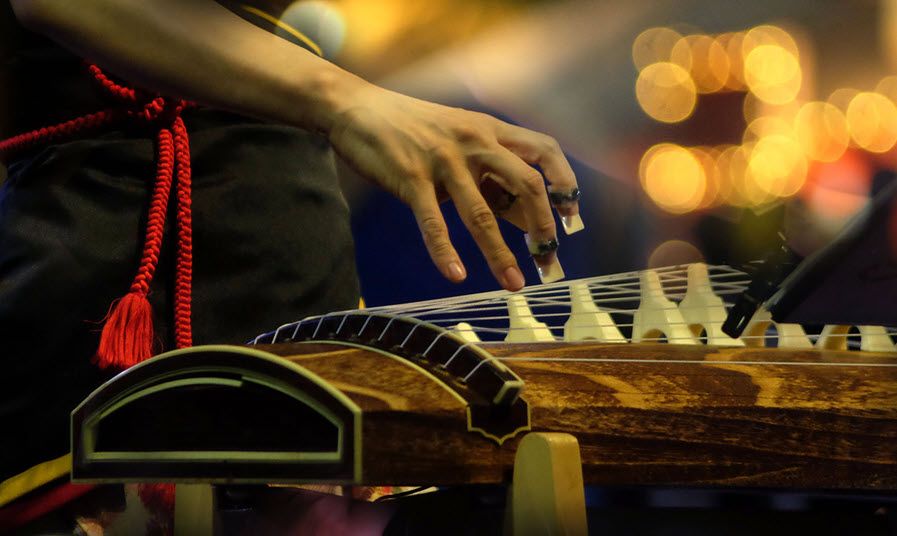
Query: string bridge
<point x="491" y="389"/>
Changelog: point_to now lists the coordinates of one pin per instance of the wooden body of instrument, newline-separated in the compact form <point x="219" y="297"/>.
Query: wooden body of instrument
<point x="647" y="414"/>
<point x="382" y="397"/>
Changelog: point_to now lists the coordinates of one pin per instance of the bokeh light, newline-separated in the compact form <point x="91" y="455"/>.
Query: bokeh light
<point x="872" y="122"/>
<point x="707" y="156"/>
<point x="726" y="192"/>
<point x="666" y="92"/>
<point x="772" y="73"/>
<point x="655" y="45"/>
<point x="887" y="86"/>
<point x="768" y="34"/>
<point x="673" y="178"/>
<point x="821" y="130"/>
<point x="708" y="59"/>
<point x="732" y="42"/>
<point x="767" y="125"/>
<point x="841" y="97"/>
<point x="746" y="191"/>
<point x="776" y="167"/>
<point x="319" y="20"/>
<point x="674" y="252"/>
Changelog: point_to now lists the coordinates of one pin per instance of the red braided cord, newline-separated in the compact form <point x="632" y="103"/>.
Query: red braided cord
<point x="184" y="268"/>
<point x="173" y="153"/>
<point x="155" y="224"/>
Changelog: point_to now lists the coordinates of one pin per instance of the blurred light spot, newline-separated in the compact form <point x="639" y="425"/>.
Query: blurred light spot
<point x="674" y="252"/>
<point x="838" y="190"/>
<point x="320" y="20"/>
<point x="767" y="126"/>
<point x="772" y="73"/>
<point x="674" y="179"/>
<point x="727" y="192"/>
<point x="887" y="86"/>
<point x="768" y="34"/>
<point x="841" y="97"/>
<point x="746" y="191"/>
<point x="709" y="61"/>
<point x="776" y="167"/>
<point x="655" y="45"/>
<point x="732" y="42"/>
<point x="666" y="92"/>
<point x="753" y="107"/>
<point x="821" y="130"/>
<point x="872" y="122"/>
<point x="707" y="156"/>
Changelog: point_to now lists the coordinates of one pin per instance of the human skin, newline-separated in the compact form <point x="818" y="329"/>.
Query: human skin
<point x="419" y="151"/>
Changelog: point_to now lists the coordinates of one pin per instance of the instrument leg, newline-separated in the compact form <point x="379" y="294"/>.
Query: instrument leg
<point x="547" y="495"/>
<point x="194" y="510"/>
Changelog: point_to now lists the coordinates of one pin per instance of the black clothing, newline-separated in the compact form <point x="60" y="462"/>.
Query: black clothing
<point x="271" y="239"/>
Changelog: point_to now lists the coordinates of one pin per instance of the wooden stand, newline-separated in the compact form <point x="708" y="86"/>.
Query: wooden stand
<point x="547" y="495"/>
<point x="194" y="510"/>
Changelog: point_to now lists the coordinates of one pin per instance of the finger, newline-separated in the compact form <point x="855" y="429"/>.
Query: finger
<point x="480" y="221"/>
<point x="529" y="187"/>
<point x="435" y="234"/>
<point x="544" y="151"/>
<point x="504" y="204"/>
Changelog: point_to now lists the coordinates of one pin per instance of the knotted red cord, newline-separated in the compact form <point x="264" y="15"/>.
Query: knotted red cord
<point x="127" y="337"/>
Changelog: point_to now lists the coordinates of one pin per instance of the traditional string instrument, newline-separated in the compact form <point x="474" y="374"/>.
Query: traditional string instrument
<point x="633" y="369"/>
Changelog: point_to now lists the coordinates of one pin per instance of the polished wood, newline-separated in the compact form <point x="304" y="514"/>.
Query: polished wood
<point x="644" y="414"/>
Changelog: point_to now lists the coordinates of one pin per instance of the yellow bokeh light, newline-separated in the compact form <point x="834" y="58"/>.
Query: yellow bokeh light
<point x="872" y="122"/>
<point x="776" y="166"/>
<point x="745" y="190"/>
<point x="707" y="156"/>
<point x="708" y="59"/>
<point x="666" y="92"/>
<point x="726" y="192"/>
<point x="655" y="45"/>
<point x="648" y="157"/>
<point x="821" y="130"/>
<point x="773" y="74"/>
<point x="888" y="87"/>
<point x="768" y="34"/>
<point x="841" y="97"/>
<point x="767" y="125"/>
<point x="732" y="42"/>
<point x="674" y="178"/>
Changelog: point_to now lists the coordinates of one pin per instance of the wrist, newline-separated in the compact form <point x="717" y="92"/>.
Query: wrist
<point x="331" y="92"/>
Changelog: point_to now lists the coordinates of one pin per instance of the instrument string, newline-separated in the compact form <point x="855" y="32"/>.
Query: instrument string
<point x="617" y="295"/>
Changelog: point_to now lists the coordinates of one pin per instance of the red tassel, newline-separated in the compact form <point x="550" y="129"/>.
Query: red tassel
<point x="127" y="337"/>
<point x="157" y="497"/>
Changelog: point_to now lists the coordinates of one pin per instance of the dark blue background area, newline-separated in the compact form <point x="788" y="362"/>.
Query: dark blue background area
<point x="394" y="266"/>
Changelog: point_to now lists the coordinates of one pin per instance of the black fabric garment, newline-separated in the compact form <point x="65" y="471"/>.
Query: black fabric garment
<point x="271" y="244"/>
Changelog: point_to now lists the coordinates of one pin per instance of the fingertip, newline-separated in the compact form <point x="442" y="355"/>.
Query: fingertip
<point x="455" y="272"/>
<point x="512" y="279"/>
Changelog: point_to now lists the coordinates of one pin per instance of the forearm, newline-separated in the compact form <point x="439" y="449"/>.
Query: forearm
<point x="199" y="50"/>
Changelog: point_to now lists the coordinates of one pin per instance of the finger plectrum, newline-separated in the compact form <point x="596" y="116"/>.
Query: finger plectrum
<point x="540" y="248"/>
<point x="572" y="224"/>
<point x="550" y="272"/>
<point x="544" y="253"/>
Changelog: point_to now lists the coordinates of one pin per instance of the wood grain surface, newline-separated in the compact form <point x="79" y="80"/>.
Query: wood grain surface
<point x="643" y="414"/>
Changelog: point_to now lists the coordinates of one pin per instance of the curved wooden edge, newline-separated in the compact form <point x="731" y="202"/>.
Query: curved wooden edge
<point x="210" y="367"/>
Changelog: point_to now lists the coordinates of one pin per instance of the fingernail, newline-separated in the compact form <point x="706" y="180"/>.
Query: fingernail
<point x="551" y="271"/>
<point x="513" y="278"/>
<point x="572" y="224"/>
<point x="456" y="272"/>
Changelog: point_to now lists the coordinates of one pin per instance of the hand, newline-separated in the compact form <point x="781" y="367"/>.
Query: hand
<point x="423" y="152"/>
